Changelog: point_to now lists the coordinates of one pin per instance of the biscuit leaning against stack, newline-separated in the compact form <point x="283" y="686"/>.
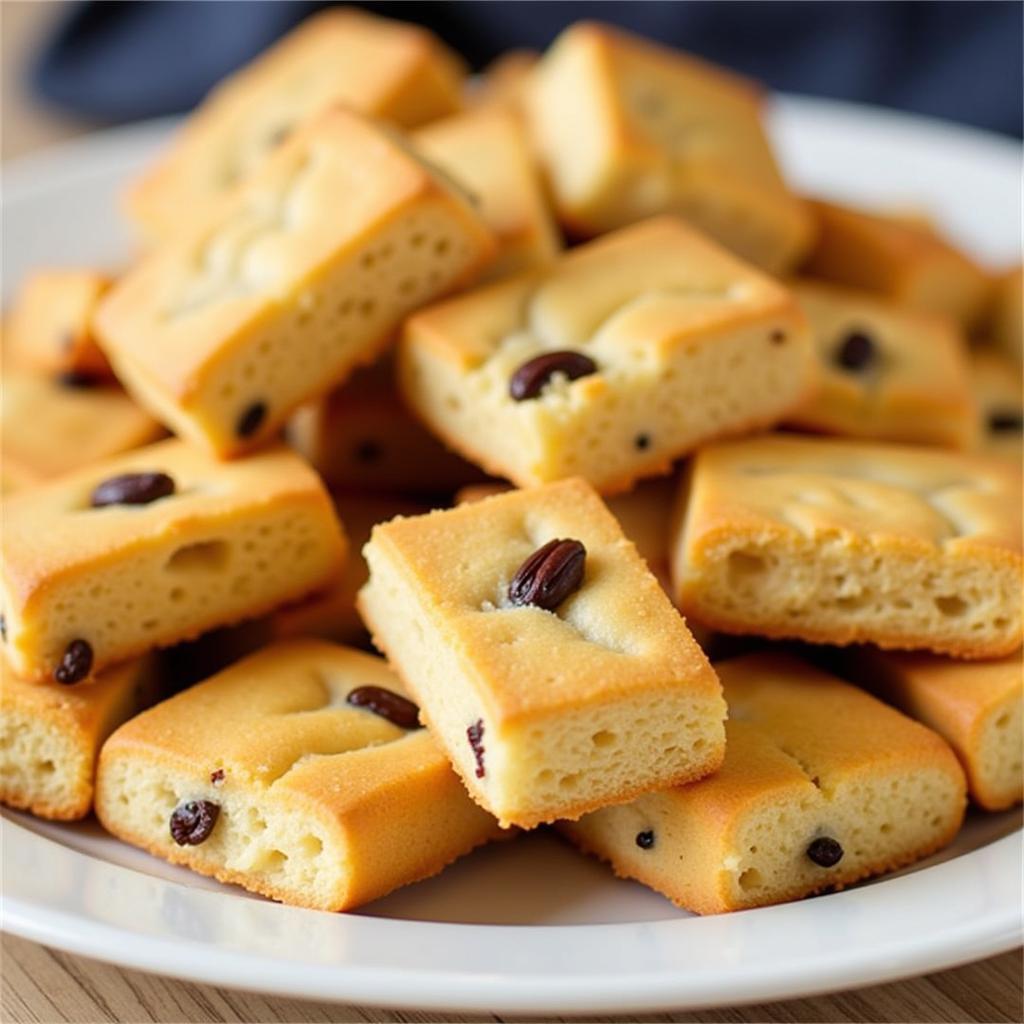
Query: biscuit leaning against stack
<point x="537" y="667"/>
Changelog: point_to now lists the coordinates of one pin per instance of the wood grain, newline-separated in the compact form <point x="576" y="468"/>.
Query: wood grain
<point x="41" y="985"/>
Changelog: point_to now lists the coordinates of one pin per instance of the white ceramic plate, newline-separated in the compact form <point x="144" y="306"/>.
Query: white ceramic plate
<point x="527" y="926"/>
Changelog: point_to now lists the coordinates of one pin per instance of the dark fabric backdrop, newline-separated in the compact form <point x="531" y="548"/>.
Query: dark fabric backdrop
<point x="122" y="61"/>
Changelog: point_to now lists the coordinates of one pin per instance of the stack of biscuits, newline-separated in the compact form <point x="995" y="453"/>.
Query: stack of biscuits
<point x="547" y="386"/>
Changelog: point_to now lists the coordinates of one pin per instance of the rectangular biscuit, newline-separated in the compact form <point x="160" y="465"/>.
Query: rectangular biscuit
<point x="489" y="154"/>
<point x="976" y="708"/>
<point x="396" y="72"/>
<point x="624" y="355"/>
<point x="904" y="259"/>
<point x="628" y="129"/>
<point x="296" y="278"/>
<point x="299" y="773"/>
<point x="50" y="735"/>
<point x="178" y="545"/>
<point x="645" y="515"/>
<point x="822" y="786"/>
<point x="887" y="373"/>
<point x="557" y="685"/>
<point x="50" y="426"/>
<point x="836" y="541"/>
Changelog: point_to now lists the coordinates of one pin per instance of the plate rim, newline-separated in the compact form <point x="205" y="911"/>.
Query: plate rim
<point x="965" y="941"/>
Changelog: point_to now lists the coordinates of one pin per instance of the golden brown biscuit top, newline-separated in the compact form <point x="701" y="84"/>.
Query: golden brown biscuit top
<point x="628" y="298"/>
<point x="277" y="717"/>
<point x="902" y="239"/>
<point x="53" y="528"/>
<point x="50" y="427"/>
<point x="831" y="729"/>
<point x="644" y="513"/>
<point x="834" y="489"/>
<point x="488" y="151"/>
<point x="686" y="113"/>
<point x="622" y="52"/>
<point x="337" y="57"/>
<point x="617" y="634"/>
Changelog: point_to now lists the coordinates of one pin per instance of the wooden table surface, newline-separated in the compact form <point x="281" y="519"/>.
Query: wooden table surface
<point x="39" y="984"/>
<point x="43" y="985"/>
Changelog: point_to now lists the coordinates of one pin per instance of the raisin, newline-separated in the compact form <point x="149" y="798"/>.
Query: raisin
<point x="368" y="452"/>
<point x="251" y="419"/>
<point x="132" y="489"/>
<point x="388" y="704"/>
<point x="217" y="776"/>
<point x="529" y="380"/>
<point x="192" y="822"/>
<point x="825" y="851"/>
<point x="642" y="442"/>
<point x="645" y="839"/>
<point x="76" y="663"/>
<point x="77" y="379"/>
<point x="1005" y="421"/>
<point x="856" y="351"/>
<point x="549" y="575"/>
<point x="475" y="735"/>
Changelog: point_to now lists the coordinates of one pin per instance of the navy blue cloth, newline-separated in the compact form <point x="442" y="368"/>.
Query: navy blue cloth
<point x="122" y="61"/>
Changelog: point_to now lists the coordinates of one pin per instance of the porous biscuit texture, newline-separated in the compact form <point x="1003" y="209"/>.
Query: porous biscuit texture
<point x="903" y="258"/>
<point x="50" y="735"/>
<point x="887" y="373"/>
<point x="685" y="343"/>
<point x="838" y="541"/>
<point x="822" y="786"/>
<point x="50" y="426"/>
<point x="975" y="707"/>
<point x="489" y="154"/>
<point x="544" y="713"/>
<point x="627" y="129"/>
<point x="396" y="72"/>
<point x="299" y="276"/>
<point x="319" y="802"/>
<point x="49" y="325"/>
<point x="231" y="542"/>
